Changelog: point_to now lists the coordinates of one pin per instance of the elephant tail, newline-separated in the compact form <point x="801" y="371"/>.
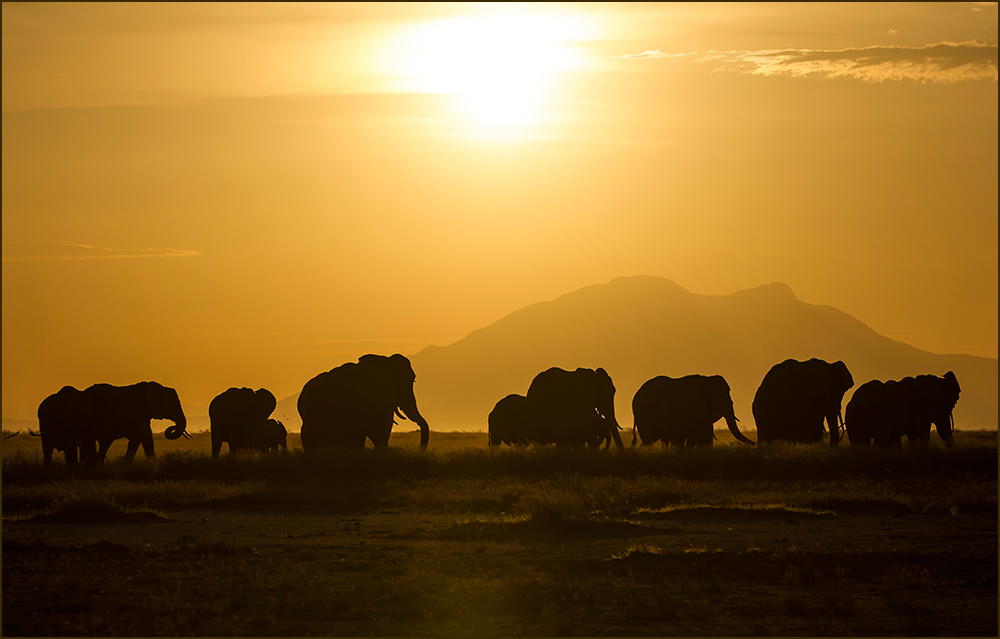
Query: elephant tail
<point x="32" y="433"/>
<point x="635" y="435"/>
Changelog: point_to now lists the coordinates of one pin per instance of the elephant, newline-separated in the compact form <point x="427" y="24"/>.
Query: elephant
<point x="510" y="421"/>
<point x="237" y="415"/>
<point x="884" y="412"/>
<point x="358" y="401"/>
<point x="266" y="436"/>
<point x="126" y="411"/>
<point x="794" y="398"/>
<point x="683" y="410"/>
<point x="67" y="422"/>
<point x="572" y="408"/>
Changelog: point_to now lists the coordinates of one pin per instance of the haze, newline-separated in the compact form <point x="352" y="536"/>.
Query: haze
<point x="247" y="195"/>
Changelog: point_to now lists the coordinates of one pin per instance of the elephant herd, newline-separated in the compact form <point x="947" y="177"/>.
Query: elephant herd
<point x="793" y="400"/>
<point x="342" y="407"/>
<point x="359" y="401"/>
<point x="87" y="422"/>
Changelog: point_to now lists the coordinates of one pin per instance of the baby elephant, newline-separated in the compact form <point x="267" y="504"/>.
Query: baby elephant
<point x="266" y="437"/>
<point x="239" y="416"/>
<point x="510" y="421"/>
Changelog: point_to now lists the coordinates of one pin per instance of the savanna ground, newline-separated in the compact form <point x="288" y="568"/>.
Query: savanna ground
<point x="458" y="539"/>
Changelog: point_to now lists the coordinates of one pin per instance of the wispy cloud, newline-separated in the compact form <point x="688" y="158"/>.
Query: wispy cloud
<point x="945" y="62"/>
<point x="656" y="53"/>
<point x="56" y="251"/>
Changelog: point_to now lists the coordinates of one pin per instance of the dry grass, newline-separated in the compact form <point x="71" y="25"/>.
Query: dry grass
<point x="775" y="540"/>
<point x="527" y="481"/>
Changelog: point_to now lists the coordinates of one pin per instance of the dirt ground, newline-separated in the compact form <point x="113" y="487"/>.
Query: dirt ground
<point x="706" y="571"/>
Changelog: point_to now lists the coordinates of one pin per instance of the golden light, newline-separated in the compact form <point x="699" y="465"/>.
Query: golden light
<point x="500" y="68"/>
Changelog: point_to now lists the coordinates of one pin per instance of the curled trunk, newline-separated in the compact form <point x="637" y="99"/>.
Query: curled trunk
<point x="179" y="428"/>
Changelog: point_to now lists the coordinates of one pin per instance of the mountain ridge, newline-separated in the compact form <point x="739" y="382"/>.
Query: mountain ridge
<point x="637" y="327"/>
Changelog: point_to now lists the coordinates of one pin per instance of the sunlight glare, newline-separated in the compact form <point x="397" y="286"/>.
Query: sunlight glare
<point x="500" y="68"/>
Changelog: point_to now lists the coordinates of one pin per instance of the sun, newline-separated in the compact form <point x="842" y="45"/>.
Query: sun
<point x="500" y="69"/>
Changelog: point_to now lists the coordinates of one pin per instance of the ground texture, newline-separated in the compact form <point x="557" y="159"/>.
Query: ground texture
<point x="588" y="548"/>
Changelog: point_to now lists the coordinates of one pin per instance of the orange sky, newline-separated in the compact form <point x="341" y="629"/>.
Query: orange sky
<point x="247" y="195"/>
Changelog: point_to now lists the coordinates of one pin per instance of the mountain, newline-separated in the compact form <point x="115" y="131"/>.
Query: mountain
<point x="639" y="327"/>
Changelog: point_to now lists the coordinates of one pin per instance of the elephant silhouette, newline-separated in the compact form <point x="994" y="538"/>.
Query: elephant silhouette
<point x="573" y="408"/>
<point x="126" y="411"/>
<point x="794" y="398"/>
<point x="358" y="401"/>
<point x="270" y="436"/>
<point x="884" y="412"/>
<point x="67" y="422"/>
<point x="510" y="422"/>
<point x="683" y="410"/>
<point x="238" y="417"/>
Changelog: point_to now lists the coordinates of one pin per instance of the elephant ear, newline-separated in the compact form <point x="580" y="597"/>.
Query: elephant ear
<point x="843" y="375"/>
<point x="604" y="379"/>
<point x="720" y="387"/>
<point x="952" y="381"/>
<point x="402" y="367"/>
<point x="266" y="403"/>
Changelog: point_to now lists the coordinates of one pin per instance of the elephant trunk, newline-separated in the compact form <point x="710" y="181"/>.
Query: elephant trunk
<point x="731" y="422"/>
<point x="178" y="429"/>
<point x="946" y="429"/>
<point x="614" y="427"/>
<point x="409" y="408"/>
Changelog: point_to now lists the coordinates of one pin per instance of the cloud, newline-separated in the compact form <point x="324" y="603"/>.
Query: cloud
<point x="945" y="62"/>
<point x="56" y="251"/>
<point x="650" y="54"/>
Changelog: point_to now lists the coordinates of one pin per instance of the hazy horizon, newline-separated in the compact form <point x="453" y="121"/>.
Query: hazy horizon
<point x="641" y="356"/>
<point x="213" y="196"/>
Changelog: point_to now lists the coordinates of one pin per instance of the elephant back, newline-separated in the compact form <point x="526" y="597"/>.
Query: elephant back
<point x="243" y="404"/>
<point x="67" y="416"/>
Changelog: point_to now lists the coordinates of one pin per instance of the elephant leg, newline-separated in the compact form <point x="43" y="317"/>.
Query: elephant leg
<point x="888" y="442"/>
<point x="71" y="459"/>
<point x="379" y="433"/>
<point x="46" y="454"/>
<point x="102" y="453"/>
<point x="919" y="440"/>
<point x="88" y="453"/>
<point x="217" y="446"/>
<point x="702" y="437"/>
<point x="147" y="443"/>
<point x="133" y="446"/>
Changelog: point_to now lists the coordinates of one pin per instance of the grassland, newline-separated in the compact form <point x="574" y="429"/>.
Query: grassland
<point x="459" y="539"/>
